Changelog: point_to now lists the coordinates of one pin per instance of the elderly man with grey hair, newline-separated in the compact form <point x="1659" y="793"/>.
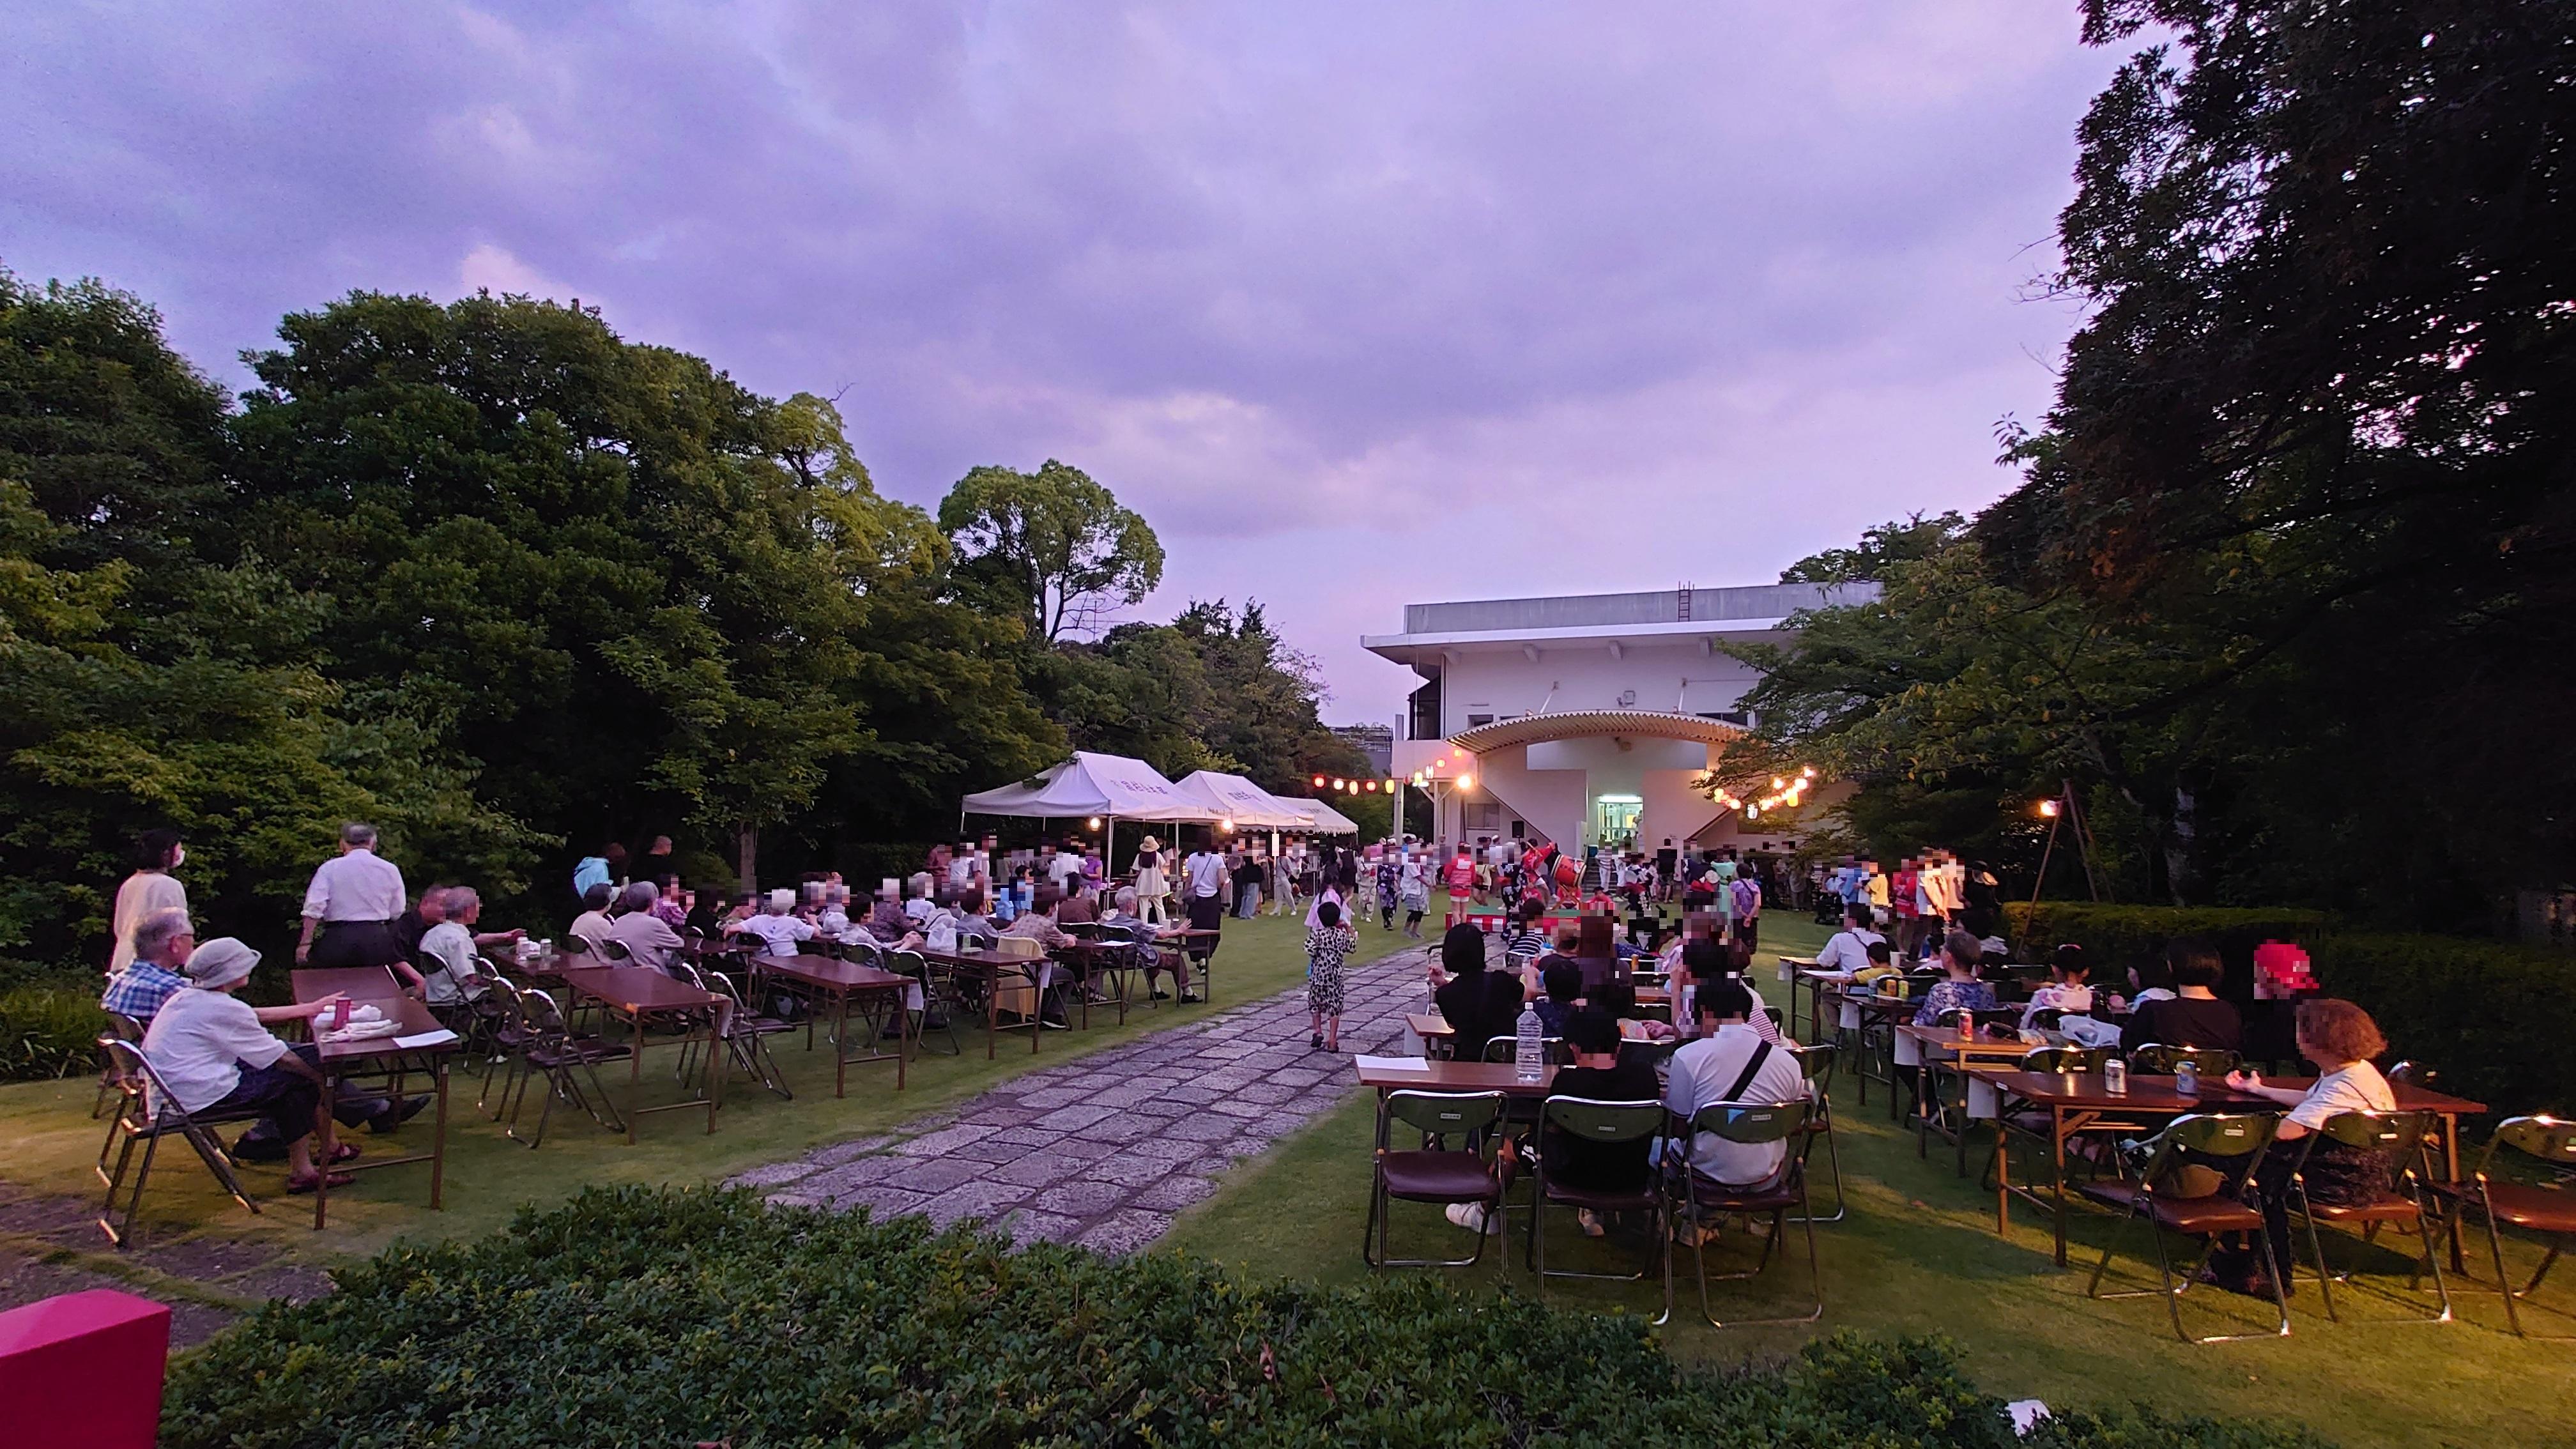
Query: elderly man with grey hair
<point x="353" y="904"/>
<point x="162" y="943"/>
<point x="778" y="931"/>
<point x="648" y="939"/>
<point x="1122" y="912"/>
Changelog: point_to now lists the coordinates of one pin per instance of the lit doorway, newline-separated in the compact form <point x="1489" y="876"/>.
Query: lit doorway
<point x="1614" y="820"/>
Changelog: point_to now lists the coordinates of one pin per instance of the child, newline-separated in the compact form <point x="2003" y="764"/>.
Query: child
<point x="1328" y="947"/>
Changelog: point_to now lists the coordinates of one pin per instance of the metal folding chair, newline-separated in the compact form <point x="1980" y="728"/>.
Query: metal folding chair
<point x="146" y="1113"/>
<point x="1593" y="1120"/>
<point x="562" y="1057"/>
<point x="2397" y="1140"/>
<point x="2205" y="1141"/>
<point x="1436" y="1174"/>
<point x="2551" y="1211"/>
<point x="1696" y="1194"/>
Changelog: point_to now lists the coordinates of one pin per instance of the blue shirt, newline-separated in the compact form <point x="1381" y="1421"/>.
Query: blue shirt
<point x="1948" y="995"/>
<point x="593" y="870"/>
<point x="139" y="989"/>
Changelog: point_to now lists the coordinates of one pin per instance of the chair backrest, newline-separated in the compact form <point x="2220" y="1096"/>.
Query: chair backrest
<point x="612" y="949"/>
<point x="544" y="1018"/>
<point x="1019" y="948"/>
<point x="1507" y="1048"/>
<point x="577" y="944"/>
<point x="2551" y="1139"/>
<point x="1751" y="1121"/>
<point x="688" y="973"/>
<point x="147" y="1095"/>
<point x="2413" y="1072"/>
<point x="2064" y="1059"/>
<point x="125" y="1026"/>
<point x="2205" y="1140"/>
<point x="2158" y="1060"/>
<point x="907" y="963"/>
<point x="1818" y="1063"/>
<point x="1445" y="1112"/>
<point x="1596" y="1120"/>
<point x="2393" y="1138"/>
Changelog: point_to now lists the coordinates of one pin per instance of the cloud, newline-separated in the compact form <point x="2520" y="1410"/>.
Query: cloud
<point x="1359" y="303"/>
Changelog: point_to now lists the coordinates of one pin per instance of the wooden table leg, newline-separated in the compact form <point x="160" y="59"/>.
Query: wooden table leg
<point x="438" y="1144"/>
<point x="324" y="1149"/>
<point x="903" y="1032"/>
<point x="635" y="1080"/>
<point x="992" y="1008"/>
<point x="2003" y="1173"/>
<point x="717" y="1067"/>
<point x="841" y="1046"/>
<point x="2057" y="1136"/>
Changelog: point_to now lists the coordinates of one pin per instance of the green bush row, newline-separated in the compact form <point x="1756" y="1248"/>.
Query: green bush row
<point x="2494" y="1018"/>
<point x="49" y="1028"/>
<point x="640" y="1316"/>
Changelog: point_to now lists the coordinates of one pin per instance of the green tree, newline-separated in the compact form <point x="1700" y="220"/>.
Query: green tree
<point x="1053" y="542"/>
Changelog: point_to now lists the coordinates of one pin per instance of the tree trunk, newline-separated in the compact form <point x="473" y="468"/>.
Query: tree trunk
<point x="747" y="843"/>
<point x="2182" y="849"/>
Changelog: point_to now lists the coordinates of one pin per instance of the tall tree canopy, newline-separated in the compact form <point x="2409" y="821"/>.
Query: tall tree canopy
<point x="2293" y="547"/>
<point x="1053" y="541"/>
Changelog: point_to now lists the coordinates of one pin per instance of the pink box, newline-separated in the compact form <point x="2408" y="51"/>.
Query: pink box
<point x="83" y="1371"/>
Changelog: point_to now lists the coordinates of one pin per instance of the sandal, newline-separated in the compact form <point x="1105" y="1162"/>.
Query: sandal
<point x="1315" y="1043"/>
<point x="300" y="1186"/>
<point x="344" y="1152"/>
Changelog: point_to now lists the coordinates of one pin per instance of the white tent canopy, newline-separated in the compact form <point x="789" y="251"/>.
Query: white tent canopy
<point x="1322" y="819"/>
<point x="1246" y="804"/>
<point x="1112" y="786"/>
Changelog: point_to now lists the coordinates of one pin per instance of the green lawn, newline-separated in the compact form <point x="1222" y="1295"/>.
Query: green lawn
<point x="1918" y="1254"/>
<point x="48" y="1142"/>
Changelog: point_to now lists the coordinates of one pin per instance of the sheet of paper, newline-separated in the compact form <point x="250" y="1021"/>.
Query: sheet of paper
<point x="1392" y="1064"/>
<point x="440" y="1037"/>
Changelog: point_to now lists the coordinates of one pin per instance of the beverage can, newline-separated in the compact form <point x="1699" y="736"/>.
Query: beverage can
<point x="2187" y="1077"/>
<point x="2115" y="1077"/>
<point x="340" y="1013"/>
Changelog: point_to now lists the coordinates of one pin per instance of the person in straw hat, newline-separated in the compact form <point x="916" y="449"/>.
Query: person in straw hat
<point x="1153" y="883"/>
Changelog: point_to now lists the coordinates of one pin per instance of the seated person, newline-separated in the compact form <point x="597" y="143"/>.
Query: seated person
<point x="448" y="950"/>
<point x="1524" y="940"/>
<point x="1731" y="1062"/>
<point x="648" y="939"/>
<point x="2067" y="989"/>
<point x="1038" y="923"/>
<point x="1882" y="965"/>
<point x="971" y="920"/>
<point x="1848" y="948"/>
<point x="834" y="919"/>
<point x="214" y="1050"/>
<point x="1599" y="1075"/>
<point x="1478" y="1004"/>
<point x="1960" y="953"/>
<point x="778" y="932"/>
<point x="1595" y="953"/>
<point x="1122" y="912"/>
<point x="1076" y="909"/>
<point x="2342" y="1040"/>
<point x="592" y="924"/>
<point x="1617" y="1000"/>
<point x="162" y="941"/>
<point x="2193" y="1015"/>
<point x="917" y="904"/>
<point x="1564" y="988"/>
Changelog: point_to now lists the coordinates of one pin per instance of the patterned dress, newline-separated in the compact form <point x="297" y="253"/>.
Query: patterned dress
<point x="1327" y="951"/>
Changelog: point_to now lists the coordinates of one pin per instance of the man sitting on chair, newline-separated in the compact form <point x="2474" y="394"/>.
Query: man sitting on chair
<point x="1732" y="1063"/>
<point x="1122" y="913"/>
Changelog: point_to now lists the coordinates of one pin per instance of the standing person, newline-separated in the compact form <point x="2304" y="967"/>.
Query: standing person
<point x="1205" y="876"/>
<point x="1462" y="879"/>
<point x="1328" y="949"/>
<point x="1153" y="884"/>
<point x="1413" y="881"/>
<point x="1388" y="872"/>
<point x="607" y="868"/>
<point x="1668" y="865"/>
<point x="1748" y="910"/>
<point x="1247" y="886"/>
<point x="1905" y="907"/>
<point x="351" y="905"/>
<point x="654" y="863"/>
<point x="148" y="892"/>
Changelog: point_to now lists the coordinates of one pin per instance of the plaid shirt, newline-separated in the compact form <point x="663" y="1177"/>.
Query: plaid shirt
<point x="139" y="989"/>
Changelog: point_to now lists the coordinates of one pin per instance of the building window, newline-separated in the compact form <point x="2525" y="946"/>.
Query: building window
<point x="1423" y="718"/>
<point x="1474" y="720"/>
<point x="1486" y="818"/>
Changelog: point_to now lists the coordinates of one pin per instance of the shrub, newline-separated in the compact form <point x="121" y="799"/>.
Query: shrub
<point x="49" y="1028"/>
<point x="671" y="1317"/>
<point x="2494" y="1018"/>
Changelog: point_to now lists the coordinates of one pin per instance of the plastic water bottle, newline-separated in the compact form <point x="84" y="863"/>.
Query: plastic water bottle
<point x="1529" y="1053"/>
<point x="2187" y="1077"/>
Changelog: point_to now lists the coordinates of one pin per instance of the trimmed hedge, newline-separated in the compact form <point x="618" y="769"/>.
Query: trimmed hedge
<point x="2494" y="1018"/>
<point x="49" y="1028"/>
<point x="677" y="1317"/>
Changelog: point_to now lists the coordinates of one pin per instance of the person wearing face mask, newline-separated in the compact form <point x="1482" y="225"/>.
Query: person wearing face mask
<point x="148" y="892"/>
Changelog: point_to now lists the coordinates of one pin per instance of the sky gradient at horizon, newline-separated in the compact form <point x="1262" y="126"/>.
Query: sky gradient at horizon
<point x="1359" y="305"/>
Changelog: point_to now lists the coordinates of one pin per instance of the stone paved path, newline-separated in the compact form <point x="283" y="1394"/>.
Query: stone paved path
<point x="1104" y="1151"/>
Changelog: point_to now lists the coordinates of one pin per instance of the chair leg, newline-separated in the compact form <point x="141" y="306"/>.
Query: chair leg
<point x="2495" y="1249"/>
<point x="2317" y="1250"/>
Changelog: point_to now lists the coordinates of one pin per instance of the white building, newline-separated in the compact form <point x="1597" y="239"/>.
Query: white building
<point x="1584" y="720"/>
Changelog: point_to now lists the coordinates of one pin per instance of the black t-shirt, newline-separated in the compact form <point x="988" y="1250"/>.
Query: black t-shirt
<point x="1601" y="1166"/>
<point x="408" y="929"/>
<point x="1248" y="873"/>
<point x="1479" y="1006"/>
<point x="2185" y="1021"/>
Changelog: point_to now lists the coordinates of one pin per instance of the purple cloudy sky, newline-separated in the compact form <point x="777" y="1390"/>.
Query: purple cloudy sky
<point x="1359" y="304"/>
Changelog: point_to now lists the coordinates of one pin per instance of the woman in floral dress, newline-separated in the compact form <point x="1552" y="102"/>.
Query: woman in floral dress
<point x="1328" y="949"/>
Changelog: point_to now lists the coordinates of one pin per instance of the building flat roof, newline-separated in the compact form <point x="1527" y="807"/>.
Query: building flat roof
<point x="1579" y="619"/>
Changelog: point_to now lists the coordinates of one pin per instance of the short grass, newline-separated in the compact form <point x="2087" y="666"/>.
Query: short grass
<point x="1919" y="1254"/>
<point x="48" y="1140"/>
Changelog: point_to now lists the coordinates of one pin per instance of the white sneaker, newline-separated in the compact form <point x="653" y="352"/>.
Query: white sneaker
<point x="1468" y="1215"/>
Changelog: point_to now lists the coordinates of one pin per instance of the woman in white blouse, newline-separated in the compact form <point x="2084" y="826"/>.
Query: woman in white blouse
<point x="2342" y="1040"/>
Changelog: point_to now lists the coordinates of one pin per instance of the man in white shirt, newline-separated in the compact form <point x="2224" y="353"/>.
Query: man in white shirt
<point x="352" y="904"/>
<point x="1204" y="874"/>
<point x="1730" y="1062"/>
<point x="776" y="930"/>
<point x="1066" y="862"/>
<point x="648" y="939"/>
<point x="1848" y="950"/>
<point x="211" y="1049"/>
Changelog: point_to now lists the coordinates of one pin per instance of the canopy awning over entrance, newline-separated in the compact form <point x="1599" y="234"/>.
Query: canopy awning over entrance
<point x="1237" y="799"/>
<point x="1113" y="786"/>
<point x="1534" y="729"/>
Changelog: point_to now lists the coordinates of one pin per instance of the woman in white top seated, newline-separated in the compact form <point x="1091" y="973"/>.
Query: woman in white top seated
<point x="213" y="1049"/>
<point x="2341" y="1039"/>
